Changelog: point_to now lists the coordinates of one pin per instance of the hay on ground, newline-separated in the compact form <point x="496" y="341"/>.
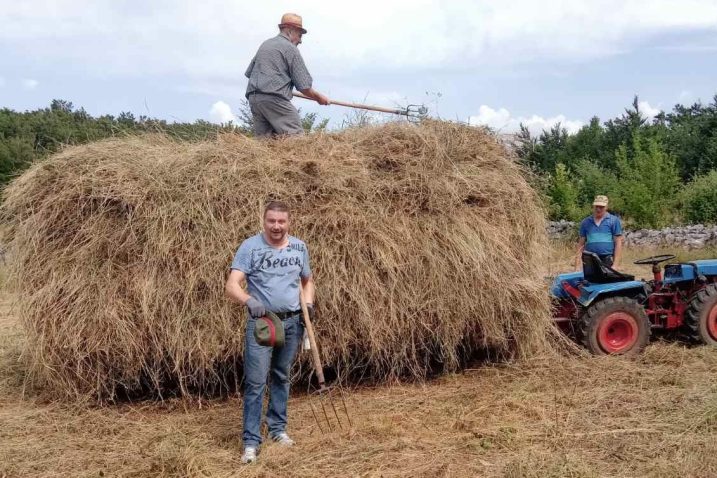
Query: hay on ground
<point x="426" y="244"/>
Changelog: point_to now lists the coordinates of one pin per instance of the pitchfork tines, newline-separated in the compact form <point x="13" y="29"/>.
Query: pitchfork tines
<point x="328" y="418"/>
<point x="323" y="415"/>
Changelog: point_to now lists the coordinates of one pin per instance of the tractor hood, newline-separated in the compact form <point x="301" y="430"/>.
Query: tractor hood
<point x="689" y="271"/>
<point x="589" y="292"/>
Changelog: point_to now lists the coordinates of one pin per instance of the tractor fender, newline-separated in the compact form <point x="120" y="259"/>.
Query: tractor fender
<point x="592" y="292"/>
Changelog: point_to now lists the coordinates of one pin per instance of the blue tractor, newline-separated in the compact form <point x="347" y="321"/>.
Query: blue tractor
<point x="612" y="313"/>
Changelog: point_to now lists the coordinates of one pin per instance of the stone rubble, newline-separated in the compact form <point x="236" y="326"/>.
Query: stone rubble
<point x="695" y="236"/>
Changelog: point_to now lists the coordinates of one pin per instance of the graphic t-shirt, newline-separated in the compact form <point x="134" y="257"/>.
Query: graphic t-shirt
<point x="272" y="274"/>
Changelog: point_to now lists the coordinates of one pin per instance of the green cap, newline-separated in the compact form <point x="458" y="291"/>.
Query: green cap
<point x="269" y="331"/>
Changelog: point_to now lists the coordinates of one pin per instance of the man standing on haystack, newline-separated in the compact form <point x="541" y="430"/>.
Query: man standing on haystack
<point x="274" y="71"/>
<point x="272" y="263"/>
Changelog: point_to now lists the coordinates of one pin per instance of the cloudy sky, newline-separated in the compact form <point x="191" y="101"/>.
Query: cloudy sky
<point x="484" y="61"/>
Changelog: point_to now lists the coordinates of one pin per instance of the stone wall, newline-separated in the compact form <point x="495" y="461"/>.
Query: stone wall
<point x="691" y="237"/>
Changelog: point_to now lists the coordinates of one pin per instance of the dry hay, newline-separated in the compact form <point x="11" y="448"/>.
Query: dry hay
<point x="581" y="418"/>
<point x="426" y="243"/>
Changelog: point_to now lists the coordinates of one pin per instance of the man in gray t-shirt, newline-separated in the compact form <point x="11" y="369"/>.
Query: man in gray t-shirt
<point x="274" y="71"/>
<point x="272" y="263"/>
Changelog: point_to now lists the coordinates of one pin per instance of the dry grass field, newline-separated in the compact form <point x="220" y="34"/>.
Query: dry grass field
<point x="547" y="417"/>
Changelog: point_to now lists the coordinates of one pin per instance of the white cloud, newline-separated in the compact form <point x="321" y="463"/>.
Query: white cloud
<point x="218" y="37"/>
<point x="502" y="121"/>
<point x="685" y="96"/>
<point x="222" y="113"/>
<point x="648" y="111"/>
<point x="29" y="84"/>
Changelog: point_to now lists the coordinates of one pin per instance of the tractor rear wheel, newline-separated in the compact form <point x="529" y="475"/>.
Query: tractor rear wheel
<point x="701" y="316"/>
<point x="615" y="326"/>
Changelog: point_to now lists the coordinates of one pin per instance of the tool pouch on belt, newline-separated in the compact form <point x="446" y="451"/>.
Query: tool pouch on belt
<point x="269" y="331"/>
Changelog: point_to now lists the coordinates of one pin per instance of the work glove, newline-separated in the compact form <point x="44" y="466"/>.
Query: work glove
<point x="256" y="308"/>
<point x="312" y="311"/>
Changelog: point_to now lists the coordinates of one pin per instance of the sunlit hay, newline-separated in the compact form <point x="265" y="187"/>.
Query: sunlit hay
<point x="426" y="241"/>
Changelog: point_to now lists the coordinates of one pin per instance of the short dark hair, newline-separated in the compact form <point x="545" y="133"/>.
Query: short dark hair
<point x="279" y="206"/>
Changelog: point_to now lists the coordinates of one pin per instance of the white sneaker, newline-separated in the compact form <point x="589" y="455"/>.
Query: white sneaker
<point x="249" y="455"/>
<point x="283" y="439"/>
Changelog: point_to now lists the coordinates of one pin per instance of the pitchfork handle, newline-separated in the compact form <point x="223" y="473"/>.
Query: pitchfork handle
<point x="358" y="105"/>
<point x="312" y="339"/>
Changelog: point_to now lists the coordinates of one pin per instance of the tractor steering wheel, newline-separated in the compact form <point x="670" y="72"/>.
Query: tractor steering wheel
<point x="653" y="260"/>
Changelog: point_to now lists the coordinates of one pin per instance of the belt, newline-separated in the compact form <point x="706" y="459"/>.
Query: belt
<point x="286" y="315"/>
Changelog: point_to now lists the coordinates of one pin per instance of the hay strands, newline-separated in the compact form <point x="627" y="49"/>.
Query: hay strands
<point x="327" y="415"/>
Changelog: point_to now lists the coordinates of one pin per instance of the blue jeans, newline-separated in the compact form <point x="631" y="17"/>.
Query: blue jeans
<point x="260" y="361"/>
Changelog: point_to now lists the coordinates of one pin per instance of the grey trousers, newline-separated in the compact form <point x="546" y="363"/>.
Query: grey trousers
<point x="274" y="116"/>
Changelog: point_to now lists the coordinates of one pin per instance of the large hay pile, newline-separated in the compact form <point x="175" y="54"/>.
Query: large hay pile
<point x="426" y="243"/>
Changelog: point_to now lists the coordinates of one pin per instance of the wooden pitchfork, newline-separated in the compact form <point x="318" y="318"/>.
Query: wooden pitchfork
<point x="323" y="415"/>
<point x="414" y="113"/>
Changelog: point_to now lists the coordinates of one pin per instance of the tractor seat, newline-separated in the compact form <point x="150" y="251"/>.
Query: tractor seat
<point x="596" y="272"/>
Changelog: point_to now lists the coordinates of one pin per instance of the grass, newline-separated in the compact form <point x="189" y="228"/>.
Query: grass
<point x="547" y="417"/>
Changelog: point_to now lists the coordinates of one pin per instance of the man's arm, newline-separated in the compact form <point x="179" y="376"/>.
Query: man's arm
<point x="249" y="69"/>
<point x="308" y="285"/>
<point x="579" y="254"/>
<point x="617" y="255"/>
<point x="316" y="96"/>
<point x="301" y="78"/>
<point x="233" y="288"/>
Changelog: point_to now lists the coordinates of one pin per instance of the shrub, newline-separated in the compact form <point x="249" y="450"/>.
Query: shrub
<point x="699" y="199"/>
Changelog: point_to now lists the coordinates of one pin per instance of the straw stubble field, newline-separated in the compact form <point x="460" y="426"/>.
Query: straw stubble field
<point x="545" y="417"/>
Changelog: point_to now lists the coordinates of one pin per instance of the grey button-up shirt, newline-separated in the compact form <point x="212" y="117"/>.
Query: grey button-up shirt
<point x="276" y="68"/>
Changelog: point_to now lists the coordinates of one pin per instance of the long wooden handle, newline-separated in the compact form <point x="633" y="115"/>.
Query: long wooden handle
<point x="358" y="105"/>
<point x="312" y="339"/>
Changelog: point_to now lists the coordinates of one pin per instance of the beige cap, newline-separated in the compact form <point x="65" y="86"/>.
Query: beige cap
<point x="600" y="201"/>
<point x="292" y="20"/>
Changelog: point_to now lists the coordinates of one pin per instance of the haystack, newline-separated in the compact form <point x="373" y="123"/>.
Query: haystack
<point x="426" y="244"/>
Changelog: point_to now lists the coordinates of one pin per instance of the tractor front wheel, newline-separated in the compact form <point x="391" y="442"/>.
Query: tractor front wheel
<point x="615" y="326"/>
<point x="701" y="316"/>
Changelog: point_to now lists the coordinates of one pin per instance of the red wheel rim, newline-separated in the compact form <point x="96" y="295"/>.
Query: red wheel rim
<point x="712" y="322"/>
<point x="618" y="332"/>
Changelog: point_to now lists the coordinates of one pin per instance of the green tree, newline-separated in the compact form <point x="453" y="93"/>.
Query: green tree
<point x="592" y="180"/>
<point x="647" y="182"/>
<point x="549" y="150"/>
<point x="563" y="195"/>
<point x="691" y="136"/>
<point x="699" y="199"/>
<point x="311" y="123"/>
<point x="16" y="154"/>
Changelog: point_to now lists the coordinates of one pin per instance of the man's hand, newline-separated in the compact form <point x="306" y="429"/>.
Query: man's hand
<point x="316" y="96"/>
<point x="256" y="308"/>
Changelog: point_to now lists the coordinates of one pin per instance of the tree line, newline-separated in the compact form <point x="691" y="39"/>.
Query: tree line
<point x="656" y="172"/>
<point x="31" y="135"/>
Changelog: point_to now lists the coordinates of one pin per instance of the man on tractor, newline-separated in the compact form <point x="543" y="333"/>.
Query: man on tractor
<point x="600" y="233"/>
<point x="274" y="71"/>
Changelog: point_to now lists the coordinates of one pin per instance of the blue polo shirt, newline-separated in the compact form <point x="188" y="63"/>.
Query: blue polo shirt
<point x="600" y="239"/>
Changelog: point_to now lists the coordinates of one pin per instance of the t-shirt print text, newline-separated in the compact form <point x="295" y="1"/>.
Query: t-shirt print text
<point x="268" y="259"/>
